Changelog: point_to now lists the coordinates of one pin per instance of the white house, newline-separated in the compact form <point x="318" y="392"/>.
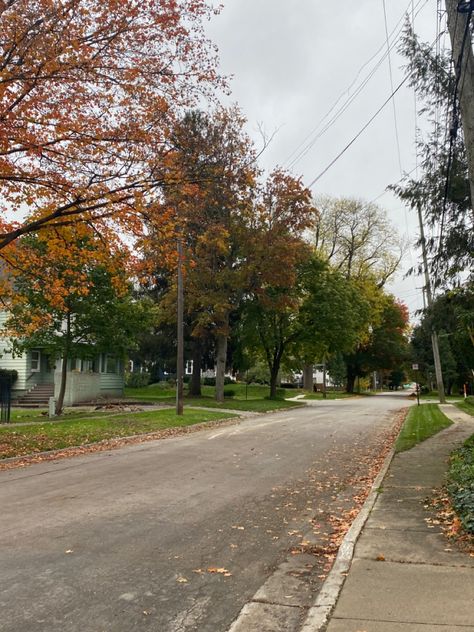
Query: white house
<point x="39" y="375"/>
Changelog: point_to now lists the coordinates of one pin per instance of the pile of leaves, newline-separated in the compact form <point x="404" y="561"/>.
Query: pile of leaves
<point x="461" y="484"/>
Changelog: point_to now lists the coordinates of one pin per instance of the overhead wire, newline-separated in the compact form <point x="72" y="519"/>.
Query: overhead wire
<point x="309" y="141"/>
<point x="454" y="118"/>
<point x="389" y="58"/>
<point x="359" y="133"/>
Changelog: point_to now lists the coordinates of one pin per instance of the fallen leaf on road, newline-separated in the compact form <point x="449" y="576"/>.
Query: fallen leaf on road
<point x="221" y="571"/>
<point x="380" y="558"/>
<point x="182" y="580"/>
<point x="69" y="551"/>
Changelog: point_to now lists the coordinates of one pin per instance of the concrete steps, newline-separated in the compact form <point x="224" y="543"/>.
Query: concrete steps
<point x="37" y="397"/>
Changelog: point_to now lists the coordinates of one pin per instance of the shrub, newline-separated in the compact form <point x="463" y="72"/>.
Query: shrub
<point x="137" y="380"/>
<point x="211" y="381"/>
<point x="229" y="392"/>
<point x="461" y="483"/>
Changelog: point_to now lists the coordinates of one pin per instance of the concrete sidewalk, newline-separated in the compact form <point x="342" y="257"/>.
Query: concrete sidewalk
<point x="420" y="583"/>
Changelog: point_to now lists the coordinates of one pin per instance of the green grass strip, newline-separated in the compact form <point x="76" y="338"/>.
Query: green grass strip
<point x="250" y="405"/>
<point x="30" y="439"/>
<point x="467" y="405"/>
<point x="421" y="423"/>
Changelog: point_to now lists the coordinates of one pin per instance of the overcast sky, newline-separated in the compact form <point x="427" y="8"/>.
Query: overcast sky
<point x="292" y="59"/>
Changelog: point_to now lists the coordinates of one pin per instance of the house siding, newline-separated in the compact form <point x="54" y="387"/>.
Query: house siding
<point x="111" y="383"/>
<point x="21" y="364"/>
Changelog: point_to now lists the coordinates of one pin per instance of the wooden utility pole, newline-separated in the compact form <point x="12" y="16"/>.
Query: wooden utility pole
<point x="180" y="333"/>
<point x="460" y="14"/>
<point x="429" y="298"/>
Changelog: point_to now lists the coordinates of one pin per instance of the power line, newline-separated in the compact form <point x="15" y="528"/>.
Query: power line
<point x="391" y="86"/>
<point x="455" y="117"/>
<point x="308" y="142"/>
<point x="343" y="151"/>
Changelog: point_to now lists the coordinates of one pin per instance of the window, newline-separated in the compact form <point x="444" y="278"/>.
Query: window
<point x="35" y="361"/>
<point x="189" y="367"/>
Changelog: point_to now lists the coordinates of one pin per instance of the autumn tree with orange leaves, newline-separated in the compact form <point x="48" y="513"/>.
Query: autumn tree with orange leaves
<point x="67" y="293"/>
<point x="277" y="252"/>
<point x="212" y="217"/>
<point x="88" y="91"/>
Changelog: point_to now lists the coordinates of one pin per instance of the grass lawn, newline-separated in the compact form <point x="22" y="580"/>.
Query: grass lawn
<point x="19" y="415"/>
<point x="33" y="438"/>
<point x="434" y="395"/>
<point x="467" y="405"/>
<point x="330" y="395"/>
<point x="461" y="483"/>
<point x="421" y="423"/>
<point x="238" y="397"/>
<point x="252" y="405"/>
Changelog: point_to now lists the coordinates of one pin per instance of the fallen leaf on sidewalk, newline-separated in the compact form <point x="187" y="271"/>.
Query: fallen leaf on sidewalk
<point x="380" y="558"/>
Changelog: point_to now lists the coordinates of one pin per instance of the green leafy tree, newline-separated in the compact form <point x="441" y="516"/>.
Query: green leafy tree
<point x="386" y="348"/>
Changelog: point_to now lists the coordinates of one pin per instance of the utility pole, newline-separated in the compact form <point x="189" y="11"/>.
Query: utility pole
<point x="429" y="298"/>
<point x="459" y="24"/>
<point x="180" y="332"/>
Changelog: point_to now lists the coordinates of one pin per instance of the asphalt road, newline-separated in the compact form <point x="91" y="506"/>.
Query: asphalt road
<point x="177" y="535"/>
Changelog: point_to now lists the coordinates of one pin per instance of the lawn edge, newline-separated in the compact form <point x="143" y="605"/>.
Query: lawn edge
<point x="112" y="444"/>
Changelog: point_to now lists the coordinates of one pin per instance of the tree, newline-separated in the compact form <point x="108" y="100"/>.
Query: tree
<point x="276" y="252"/>
<point x="72" y="306"/>
<point x="211" y="217"/>
<point x="441" y="192"/>
<point x="452" y="314"/>
<point x="357" y="239"/>
<point x="386" y="346"/>
<point x="334" y="314"/>
<point x="88" y="91"/>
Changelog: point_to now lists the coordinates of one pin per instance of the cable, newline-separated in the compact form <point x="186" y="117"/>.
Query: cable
<point x="308" y="142"/>
<point x="391" y="86"/>
<point x="455" y="117"/>
<point x="341" y="153"/>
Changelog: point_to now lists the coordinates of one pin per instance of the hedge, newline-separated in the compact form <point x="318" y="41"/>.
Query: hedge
<point x="461" y="483"/>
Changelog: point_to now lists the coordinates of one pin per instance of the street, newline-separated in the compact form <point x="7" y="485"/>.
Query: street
<point x="178" y="535"/>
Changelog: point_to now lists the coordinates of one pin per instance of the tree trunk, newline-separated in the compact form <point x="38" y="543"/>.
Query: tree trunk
<point x="308" y="377"/>
<point x="221" y="357"/>
<point x="350" y="382"/>
<point x="274" y="380"/>
<point x="195" y="383"/>
<point x="62" y="388"/>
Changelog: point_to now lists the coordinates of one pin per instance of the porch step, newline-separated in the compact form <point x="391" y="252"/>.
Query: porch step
<point x="38" y="396"/>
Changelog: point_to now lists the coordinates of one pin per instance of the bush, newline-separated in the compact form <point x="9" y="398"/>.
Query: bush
<point x="137" y="380"/>
<point x="229" y="392"/>
<point x="461" y="483"/>
<point x="211" y="381"/>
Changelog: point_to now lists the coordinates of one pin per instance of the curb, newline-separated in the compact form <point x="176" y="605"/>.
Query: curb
<point x="318" y="614"/>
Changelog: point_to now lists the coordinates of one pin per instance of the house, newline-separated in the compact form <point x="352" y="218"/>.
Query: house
<point x="39" y="375"/>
